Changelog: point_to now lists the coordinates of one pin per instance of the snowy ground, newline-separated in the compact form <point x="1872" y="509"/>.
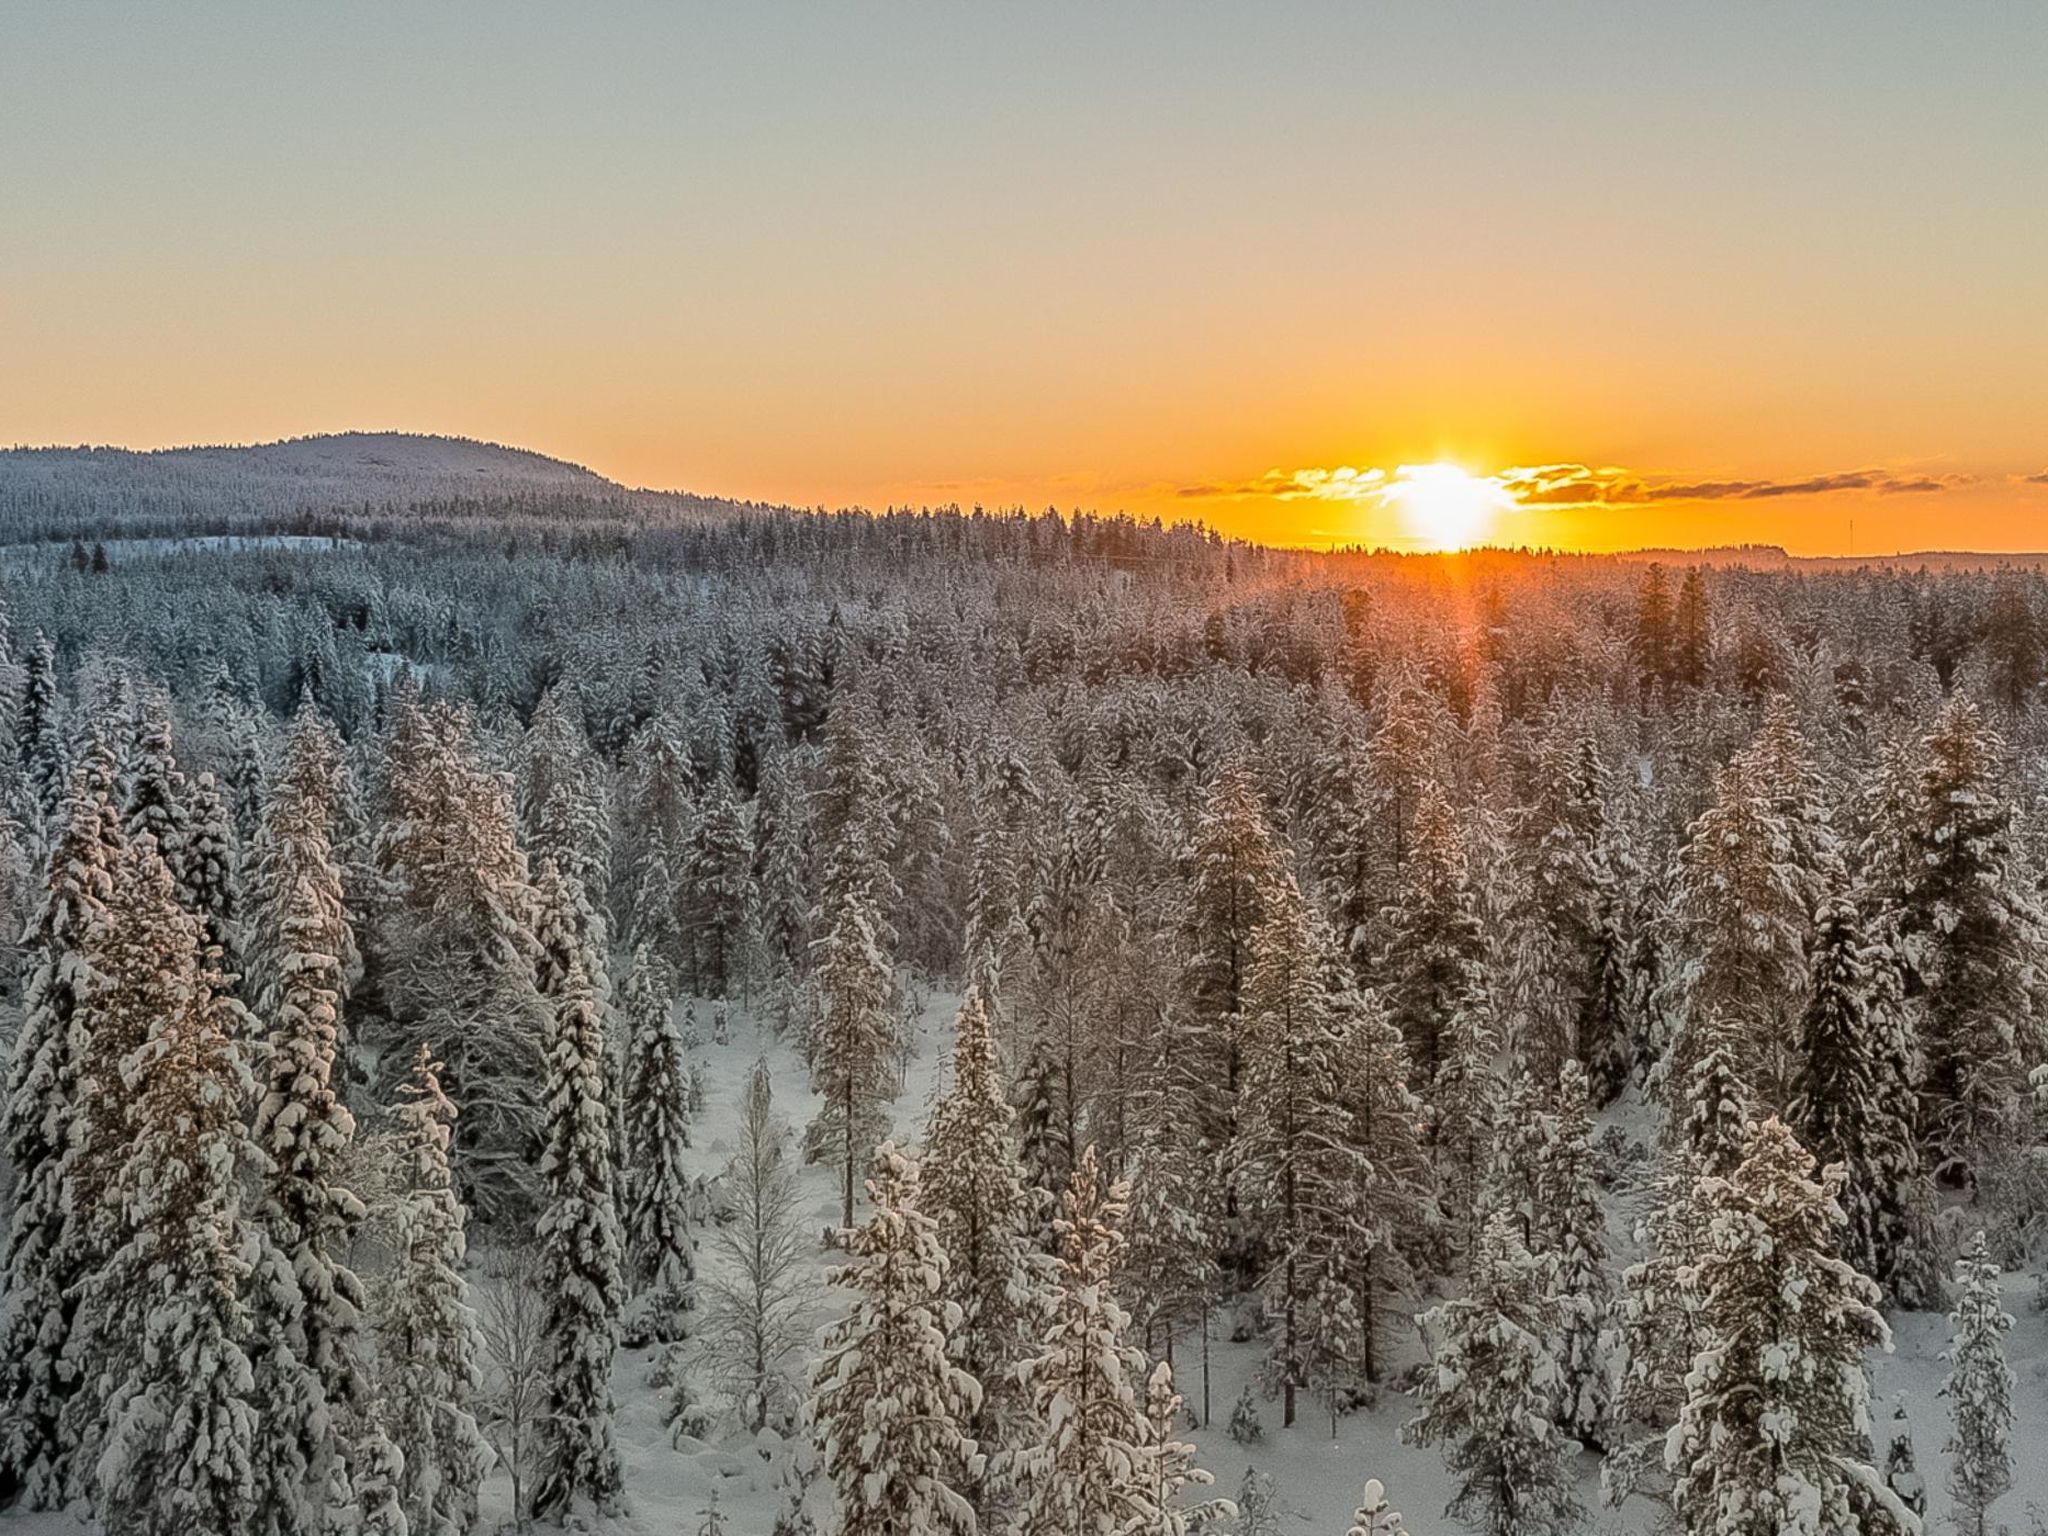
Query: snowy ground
<point x="1317" y="1478"/>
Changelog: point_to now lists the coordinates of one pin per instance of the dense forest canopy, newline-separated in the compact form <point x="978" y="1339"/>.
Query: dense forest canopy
<point x="387" y="798"/>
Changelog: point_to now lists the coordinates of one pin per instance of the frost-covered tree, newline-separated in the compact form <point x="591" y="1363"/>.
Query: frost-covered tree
<point x="719" y="907"/>
<point x="1173" y="1470"/>
<point x="891" y="1406"/>
<point x="1230" y="866"/>
<point x="1489" y="1394"/>
<point x="430" y="1343"/>
<point x="1090" y="1474"/>
<point x="302" y="1131"/>
<point x="1575" y="1233"/>
<point x="1392" y="1215"/>
<point x="1292" y="1159"/>
<point x="854" y="1039"/>
<point x="147" y="961"/>
<point x="578" y="1233"/>
<point x="974" y="1193"/>
<point x="1747" y="908"/>
<point x="1979" y="1392"/>
<point x="1430" y="971"/>
<point x="1374" y="1516"/>
<point x="1969" y="930"/>
<point x="181" y="1435"/>
<point x="661" y="1249"/>
<point x="1776" y="1425"/>
<point x="1854" y="1105"/>
<point x="754" y="1294"/>
<point x="44" y="1088"/>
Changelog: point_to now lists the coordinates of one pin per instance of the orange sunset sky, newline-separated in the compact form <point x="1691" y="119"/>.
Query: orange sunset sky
<point x="1653" y="274"/>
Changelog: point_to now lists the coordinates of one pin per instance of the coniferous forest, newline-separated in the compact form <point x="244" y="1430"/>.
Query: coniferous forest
<point x="528" y="1002"/>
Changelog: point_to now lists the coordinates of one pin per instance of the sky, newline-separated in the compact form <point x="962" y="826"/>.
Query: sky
<point x="1649" y="274"/>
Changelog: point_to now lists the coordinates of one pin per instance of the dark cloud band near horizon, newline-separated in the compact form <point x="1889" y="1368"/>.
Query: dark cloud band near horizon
<point x="1580" y="485"/>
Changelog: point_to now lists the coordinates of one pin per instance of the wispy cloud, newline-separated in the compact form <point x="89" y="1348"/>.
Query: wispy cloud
<point x="1340" y="484"/>
<point x="1580" y="485"/>
<point x="1575" y="485"/>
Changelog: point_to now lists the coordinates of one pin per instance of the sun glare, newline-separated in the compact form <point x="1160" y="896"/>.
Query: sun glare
<point x="1444" y="506"/>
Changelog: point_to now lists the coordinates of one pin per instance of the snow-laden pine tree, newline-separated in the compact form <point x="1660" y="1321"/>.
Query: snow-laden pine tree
<point x="754" y="1299"/>
<point x="302" y="1130"/>
<point x="1230" y="865"/>
<point x="146" y="960"/>
<point x="1491" y="1389"/>
<point x="661" y="1249"/>
<point x="155" y="803"/>
<point x="890" y="1407"/>
<point x="1392" y="1209"/>
<point x="973" y="1191"/>
<point x="44" y="1088"/>
<point x="1374" y="1516"/>
<point x="1575" y="1222"/>
<point x="1775" y="1431"/>
<point x="430" y="1344"/>
<point x="1294" y="1163"/>
<point x="1173" y="1469"/>
<point x="1091" y="1473"/>
<point x="1171" y="1280"/>
<point x="1854" y="1105"/>
<point x="1979" y="1392"/>
<point x="719" y="910"/>
<point x="39" y="741"/>
<point x="1430" y="969"/>
<point x="855" y="1036"/>
<point x="181" y="1435"/>
<point x="1969" y="929"/>
<point x="1747" y="908"/>
<point x="578" y="1232"/>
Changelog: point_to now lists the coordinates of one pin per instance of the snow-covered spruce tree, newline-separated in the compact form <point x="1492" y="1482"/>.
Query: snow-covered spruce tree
<point x="1460" y="1106"/>
<point x="1776" y="1425"/>
<point x="1170" y="1277"/>
<point x="855" y="1034"/>
<point x="1854" y="1105"/>
<point x="181" y="1432"/>
<point x="1979" y="1391"/>
<point x="1172" y="1463"/>
<point x="578" y="1230"/>
<point x="1575" y="1223"/>
<point x="453" y="949"/>
<point x="754" y="1299"/>
<point x="719" y="907"/>
<point x="44" y="1087"/>
<point x="39" y="740"/>
<point x="891" y="1406"/>
<point x="1431" y="968"/>
<point x="1090" y="1474"/>
<point x="155" y="800"/>
<point x="1969" y="928"/>
<point x="1230" y="865"/>
<point x="975" y="1196"/>
<point x="1292" y="1159"/>
<point x="1901" y="1467"/>
<point x="146" y="959"/>
<point x="1374" y="1517"/>
<point x="661" y="1250"/>
<point x="1391" y="1201"/>
<point x="210" y="871"/>
<point x="302" y="1130"/>
<point x="430" y="1345"/>
<point x="380" y="1473"/>
<point x="1489" y="1394"/>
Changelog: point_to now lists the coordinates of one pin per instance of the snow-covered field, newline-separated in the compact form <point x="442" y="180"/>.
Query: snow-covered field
<point x="1316" y="1478"/>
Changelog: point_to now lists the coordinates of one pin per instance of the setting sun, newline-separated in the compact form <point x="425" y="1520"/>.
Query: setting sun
<point x="1444" y="506"/>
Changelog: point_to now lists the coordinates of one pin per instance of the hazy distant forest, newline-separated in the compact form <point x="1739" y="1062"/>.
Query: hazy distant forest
<point x="1578" y="999"/>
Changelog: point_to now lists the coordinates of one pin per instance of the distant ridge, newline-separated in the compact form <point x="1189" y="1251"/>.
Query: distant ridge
<point x="344" y="465"/>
